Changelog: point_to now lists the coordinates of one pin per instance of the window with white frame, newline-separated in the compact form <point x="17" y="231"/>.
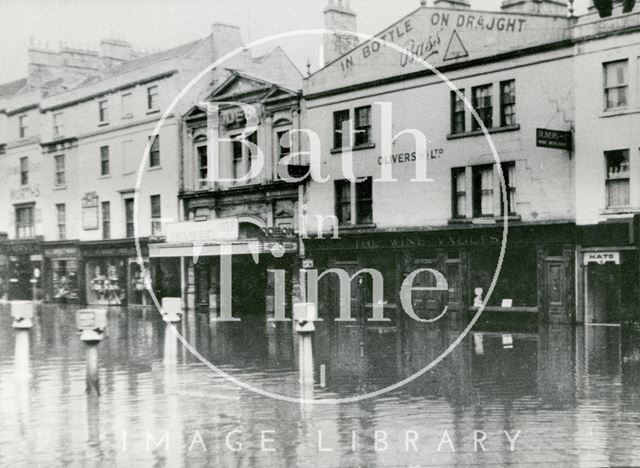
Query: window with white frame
<point x="59" y="176"/>
<point x="58" y="126"/>
<point x="24" y="170"/>
<point x="459" y="192"/>
<point x="156" y="215"/>
<point x="482" y="104"/>
<point x="482" y="185"/>
<point x="152" y="98"/>
<point x="618" y="177"/>
<point x="458" y="114"/>
<point x="154" y="152"/>
<point x="615" y="84"/>
<point x="507" y="103"/>
<point x="362" y="126"/>
<point x="22" y="126"/>
<point x="25" y="226"/>
<point x="354" y="202"/>
<point x="203" y="164"/>
<point x="61" y="215"/>
<point x="103" y="111"/>
<point x="509" y="174"/>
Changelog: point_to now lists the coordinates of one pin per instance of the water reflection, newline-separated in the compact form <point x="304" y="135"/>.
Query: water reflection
<point x="573" y="394"/>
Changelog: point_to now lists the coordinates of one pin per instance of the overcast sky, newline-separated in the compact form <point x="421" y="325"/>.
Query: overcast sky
<point x="161" y="24"/>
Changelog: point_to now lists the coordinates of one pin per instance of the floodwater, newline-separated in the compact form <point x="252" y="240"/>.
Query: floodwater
<point x="562" y="395"/>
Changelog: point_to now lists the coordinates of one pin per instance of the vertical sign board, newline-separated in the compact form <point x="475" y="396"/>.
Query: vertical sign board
<point x="557" y="139"/>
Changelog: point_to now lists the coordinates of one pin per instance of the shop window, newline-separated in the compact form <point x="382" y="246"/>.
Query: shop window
<point x="24" y="170"/>
<point x="482" y="190"/>
<point x="104" y="161"/>
<point x="354" y="201"/>
<point x="339" y="119"/>
<point x="618" y="175"/>
<point x="22" y="126"/>
<point x="508" y="103"/>
<point x="61" y="216"/>
<point x="25" y="227"/>
<point x="615" y="84"/>
<point x="481" y="101"/>
<point x="103" y="111"/>
<point x="458" y="114"/>
<point x="152" y="98"/>
<point x="64" y="279"/>
<point x="156" y="215"/>
<point x="58" y="126"/>
<point x="129" y="220"/>
<point x="459" y="192"/>
<point x="154" y="152"/>
<point x="509" y="174"/>
<point x="363" y="126"/>
<point x="59" y="179"/>
<point x="203" y="165"/>
<point x="106" y="281"/>
<point x="106" y="220"/>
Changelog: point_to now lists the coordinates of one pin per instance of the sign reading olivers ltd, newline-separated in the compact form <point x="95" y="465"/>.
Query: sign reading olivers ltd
<point x="558" y="139"/>
<point x="410" y="156"/>
<point x="225" y="230"/>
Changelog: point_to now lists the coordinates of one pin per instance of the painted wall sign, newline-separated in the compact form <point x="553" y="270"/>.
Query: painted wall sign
<point x="90" y="211"/>
<point x="601" y="258"/>
<point x="408" y="157"/>
<point x="558" y="139"/>
<point x="224" y="229"/>
<point x="439" y="36"/>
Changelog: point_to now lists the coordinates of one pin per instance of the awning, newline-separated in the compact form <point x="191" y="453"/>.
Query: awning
<point x="213" y="249"/>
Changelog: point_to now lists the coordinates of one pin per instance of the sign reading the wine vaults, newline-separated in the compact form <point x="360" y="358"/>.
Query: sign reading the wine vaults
<point x="439" y="36"/>
<point x="90" y="211"/>
<point x="558" y="139"/>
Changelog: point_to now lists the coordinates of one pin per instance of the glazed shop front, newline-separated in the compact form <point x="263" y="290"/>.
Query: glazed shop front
<point x="536" y="280"/>
<point x="112" y="273"/>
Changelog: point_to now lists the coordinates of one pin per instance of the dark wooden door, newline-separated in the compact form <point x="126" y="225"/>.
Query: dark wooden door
<point x="556" y="306"/>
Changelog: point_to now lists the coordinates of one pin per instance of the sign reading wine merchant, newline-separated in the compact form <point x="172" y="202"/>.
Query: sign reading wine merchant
<point x="90" y="211"/>
<point x="557" y="139"/>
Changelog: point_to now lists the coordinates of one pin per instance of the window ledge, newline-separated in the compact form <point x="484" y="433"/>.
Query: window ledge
<point x="472" y="133"/>
<point x="60" y="187"/>
<point x="354" y="148"/>
<point x="623" y="210"/>
<point x="355" y="227"/>
<point x="618" y="111"/>
<point x="154" y="168"/>
<point x="153" y="111"/>
<point x="484" y="219"/>
<point x="127" y="116"/>
<point x="103" y="124"/>
<point x="106" y="176"/>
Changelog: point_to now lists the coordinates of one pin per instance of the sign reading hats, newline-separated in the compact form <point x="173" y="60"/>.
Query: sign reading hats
<point x="601" y="258"/>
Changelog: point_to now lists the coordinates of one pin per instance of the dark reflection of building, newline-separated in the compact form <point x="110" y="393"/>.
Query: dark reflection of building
<point x="21" y="258"/>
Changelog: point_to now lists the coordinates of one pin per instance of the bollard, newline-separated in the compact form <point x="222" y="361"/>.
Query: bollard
<point x="304" y="313"/>
<point x="92" y="323"/>
<point x="22" y="314"/>
<point x="171" y="314"/>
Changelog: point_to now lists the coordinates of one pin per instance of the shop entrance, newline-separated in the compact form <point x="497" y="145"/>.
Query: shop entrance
<point x="21" y="273"/>
<point x="610" y="286"/>
<point x="555" y="291"/>
<point x="248" y="289"/>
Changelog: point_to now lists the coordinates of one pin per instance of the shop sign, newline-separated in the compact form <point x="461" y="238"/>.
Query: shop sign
<point x="61" y="252"/>
<point x="557" y="139"/>
<point x="409" y="157"/>
<point x="90" y="211"/>
<point x="215" y="230"/>
<point x="601" y="258"/>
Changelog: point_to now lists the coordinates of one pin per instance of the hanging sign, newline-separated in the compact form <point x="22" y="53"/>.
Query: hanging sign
<point x="557" y="139"/>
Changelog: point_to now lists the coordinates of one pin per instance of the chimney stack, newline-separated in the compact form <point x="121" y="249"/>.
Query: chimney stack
<point x="338" y="17"/>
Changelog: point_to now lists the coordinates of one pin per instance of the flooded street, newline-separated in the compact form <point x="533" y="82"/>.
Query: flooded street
<point x="573" y="393"/>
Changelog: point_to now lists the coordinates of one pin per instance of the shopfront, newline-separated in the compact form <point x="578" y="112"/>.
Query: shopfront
<point x="23" y="269"/>
<point x="535" y="282"/>
<point x="112" y="273"/>
<point x="62" y="264"/>
<point x="609" y="272"/>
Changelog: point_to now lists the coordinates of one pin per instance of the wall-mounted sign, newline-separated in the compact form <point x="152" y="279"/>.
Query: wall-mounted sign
<point x="558" y="139"/>
<point x="25" y="192"/>
<point x="401" y="158"/>
<point x="215" y="230"/>
<point x="601" y="258"/>
<point x="90" y="211"/>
